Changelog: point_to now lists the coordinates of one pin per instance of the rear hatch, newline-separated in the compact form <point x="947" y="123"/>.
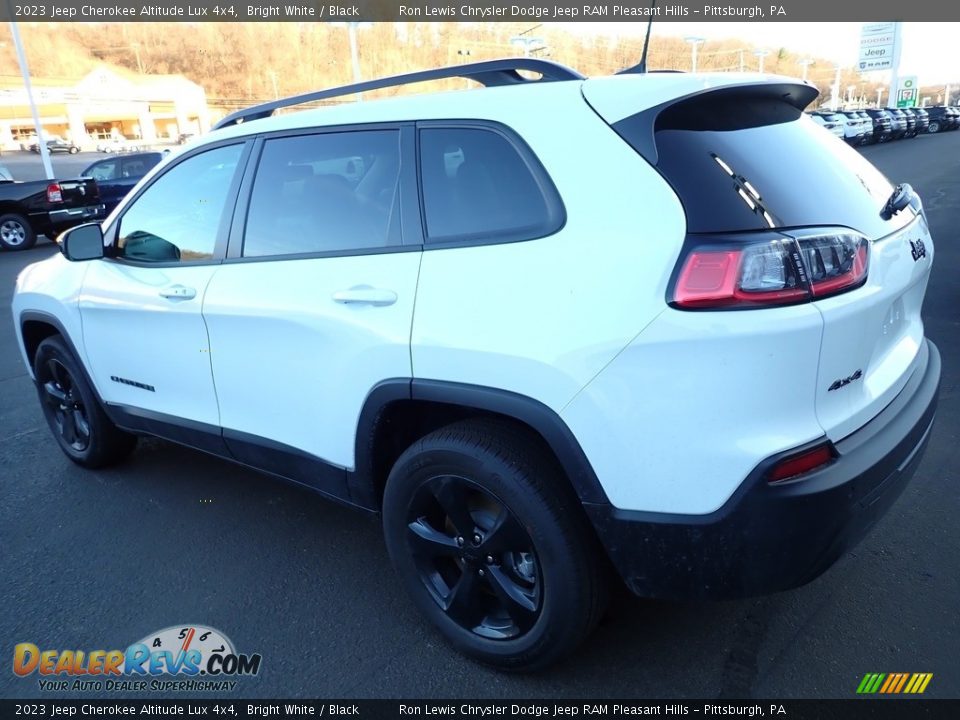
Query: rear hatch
<point x="750" y="167"/>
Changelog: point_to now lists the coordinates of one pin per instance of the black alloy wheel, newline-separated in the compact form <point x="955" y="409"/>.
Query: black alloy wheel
<point x="64" y="405"/>
<point x="492" y="544"/>
<point x="475" y="559"/>
<point x="73" y="411"/>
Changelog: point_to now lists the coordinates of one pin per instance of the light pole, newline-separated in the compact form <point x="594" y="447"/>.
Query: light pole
<point x="805" y="63"/>
<point x="761" y="54"/>
<point x="25" y="71"/>
<point x="694" y="41"/>
<point x="354" y="50"/>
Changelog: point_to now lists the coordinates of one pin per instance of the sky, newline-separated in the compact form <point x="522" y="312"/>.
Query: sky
<point x="928" y="49"/>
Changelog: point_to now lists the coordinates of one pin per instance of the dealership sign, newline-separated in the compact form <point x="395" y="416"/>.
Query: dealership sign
<point x="879" y="45"/>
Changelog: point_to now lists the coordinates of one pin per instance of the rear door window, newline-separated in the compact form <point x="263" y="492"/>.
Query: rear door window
<point x="335" y="192"/>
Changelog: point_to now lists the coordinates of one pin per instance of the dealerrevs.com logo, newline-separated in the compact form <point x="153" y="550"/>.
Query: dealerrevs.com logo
<point x="177" y="658"/>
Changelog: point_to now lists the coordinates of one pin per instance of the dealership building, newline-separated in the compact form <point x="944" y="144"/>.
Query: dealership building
<point x="108" y="102"/>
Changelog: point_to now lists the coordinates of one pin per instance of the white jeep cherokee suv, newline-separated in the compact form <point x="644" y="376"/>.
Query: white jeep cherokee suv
<point x="660" y="323"/>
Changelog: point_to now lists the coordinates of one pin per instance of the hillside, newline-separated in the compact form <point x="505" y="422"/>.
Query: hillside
<point x="241" y="63"/>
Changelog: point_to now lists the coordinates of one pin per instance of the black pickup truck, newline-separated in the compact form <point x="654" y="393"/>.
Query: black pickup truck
<point x="44" y="207"/>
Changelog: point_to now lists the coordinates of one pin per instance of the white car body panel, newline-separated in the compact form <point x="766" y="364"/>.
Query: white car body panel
<point x="294" y="366"/>
<point x="696" y="402"/>
<point x="877" y="330"/>
<point x="484" y="318"/>
<point x="132" y="333"/>
<point x="51" y="287"/>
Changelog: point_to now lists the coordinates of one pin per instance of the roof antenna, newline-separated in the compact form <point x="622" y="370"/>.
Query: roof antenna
<point x="641" y="67"/>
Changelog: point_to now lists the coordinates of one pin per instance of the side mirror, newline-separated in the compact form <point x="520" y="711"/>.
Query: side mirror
<point x="83" y="242"/>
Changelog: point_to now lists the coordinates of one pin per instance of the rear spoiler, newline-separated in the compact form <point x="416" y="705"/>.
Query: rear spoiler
<point x="638" y="130"/>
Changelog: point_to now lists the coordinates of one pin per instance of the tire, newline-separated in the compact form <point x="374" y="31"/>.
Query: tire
<point x="492" y="545"/>
<point x="16" y="232"/>
<point x="933" y="127"/>
<point x="84" y="432"/>
<point x="74" y="150"/>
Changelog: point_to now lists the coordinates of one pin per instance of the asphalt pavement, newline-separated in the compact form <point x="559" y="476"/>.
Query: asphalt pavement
<point x="98" y="560"/>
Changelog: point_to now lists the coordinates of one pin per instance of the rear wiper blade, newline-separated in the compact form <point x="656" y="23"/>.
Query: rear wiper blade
<point x="902" y="196"/>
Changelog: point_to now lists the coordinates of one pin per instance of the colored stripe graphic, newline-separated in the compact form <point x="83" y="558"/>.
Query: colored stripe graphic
<point x="894" y="683"/>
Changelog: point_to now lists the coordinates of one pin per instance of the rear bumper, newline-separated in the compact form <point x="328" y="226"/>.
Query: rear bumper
<point x="68" y="217"/>
<point x="770" y="538"/>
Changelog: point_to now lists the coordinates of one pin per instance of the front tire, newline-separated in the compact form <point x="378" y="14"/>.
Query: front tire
<point x="492" y="545"/>
<point x="16" y="232"/>
<point x="82" y="429"/>
<point x="933" y="127"/>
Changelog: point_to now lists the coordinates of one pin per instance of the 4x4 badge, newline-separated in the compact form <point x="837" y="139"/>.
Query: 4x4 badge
<point x="837" y="384"/>
<point x="918" y="249"/>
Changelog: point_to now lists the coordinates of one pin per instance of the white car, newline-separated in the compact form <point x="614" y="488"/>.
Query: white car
<point x="687" y="345"/>
<point x="831" y="122"/>
<point x="118" y="145"/>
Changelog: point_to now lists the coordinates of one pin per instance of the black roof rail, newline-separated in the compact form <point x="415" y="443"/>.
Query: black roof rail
<point x="490" y="73"/>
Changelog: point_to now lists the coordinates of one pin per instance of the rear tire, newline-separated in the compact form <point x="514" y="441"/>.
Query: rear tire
<point x="16" y="232"/>
<point x="492" y="545"/>
<point x="82" y="429"/>
<point x="933" y="127"/>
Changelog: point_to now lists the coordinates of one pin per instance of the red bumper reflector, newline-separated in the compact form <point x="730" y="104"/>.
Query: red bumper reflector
<point x="801" y="463"/>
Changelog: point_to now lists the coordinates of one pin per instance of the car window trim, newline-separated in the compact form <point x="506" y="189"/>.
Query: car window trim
<point x="223" y="228"/>
<point x="556" y="210"/>
<point x="406" y="181"/>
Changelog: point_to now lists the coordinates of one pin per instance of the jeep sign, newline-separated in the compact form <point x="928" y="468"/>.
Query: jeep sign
<point x="878" y="45"/>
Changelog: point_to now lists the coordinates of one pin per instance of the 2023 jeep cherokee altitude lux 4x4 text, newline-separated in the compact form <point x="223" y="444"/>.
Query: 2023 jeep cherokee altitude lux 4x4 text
<point x="660" y="323"/>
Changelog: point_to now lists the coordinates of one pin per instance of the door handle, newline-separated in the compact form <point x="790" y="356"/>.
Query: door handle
<point x="365" y="295"/>
<point x="178" y="292"/>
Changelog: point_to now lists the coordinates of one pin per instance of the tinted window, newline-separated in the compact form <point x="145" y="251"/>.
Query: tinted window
<point x="325" y="193"/>
<point x="105" y="170"/>
<point x="476" y="185"/>
<point x="178" y="216"/>
<point x="138" y="166"/>
<point x="801" y="175"/>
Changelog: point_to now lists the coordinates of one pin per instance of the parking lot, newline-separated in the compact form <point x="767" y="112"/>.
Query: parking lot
<point x="97" y="560"/>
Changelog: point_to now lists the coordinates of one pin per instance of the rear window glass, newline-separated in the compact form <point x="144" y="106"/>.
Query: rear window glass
<point x="755" y="164"/>
<point x="477" y="186"/>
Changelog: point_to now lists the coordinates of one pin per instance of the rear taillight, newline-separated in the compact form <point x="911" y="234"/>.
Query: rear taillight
<point x="801" y="463"/>
<point x="54" y="193"/>
<point x="778" y="270"/>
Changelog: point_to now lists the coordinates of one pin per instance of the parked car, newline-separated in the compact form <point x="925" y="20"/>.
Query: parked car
<point x="923" y="120"/>
<point x="855" y="128"/>
<point x="866" y="124"/>
<point x="44" y="207"/>
<point x="898" y="123"/>
<point x="834" y="122"/>
<point x="116" y="176"/>
<point x="56" y="144"/>
<point x="882" y="125"/>
<point x="941" y="118"/>
<point x="118" y="145"/>
<point x="909" y="120"/>
<point x="717" y="395"/>
<point x="955" y="113"/>
<point x="829" y="123"/>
